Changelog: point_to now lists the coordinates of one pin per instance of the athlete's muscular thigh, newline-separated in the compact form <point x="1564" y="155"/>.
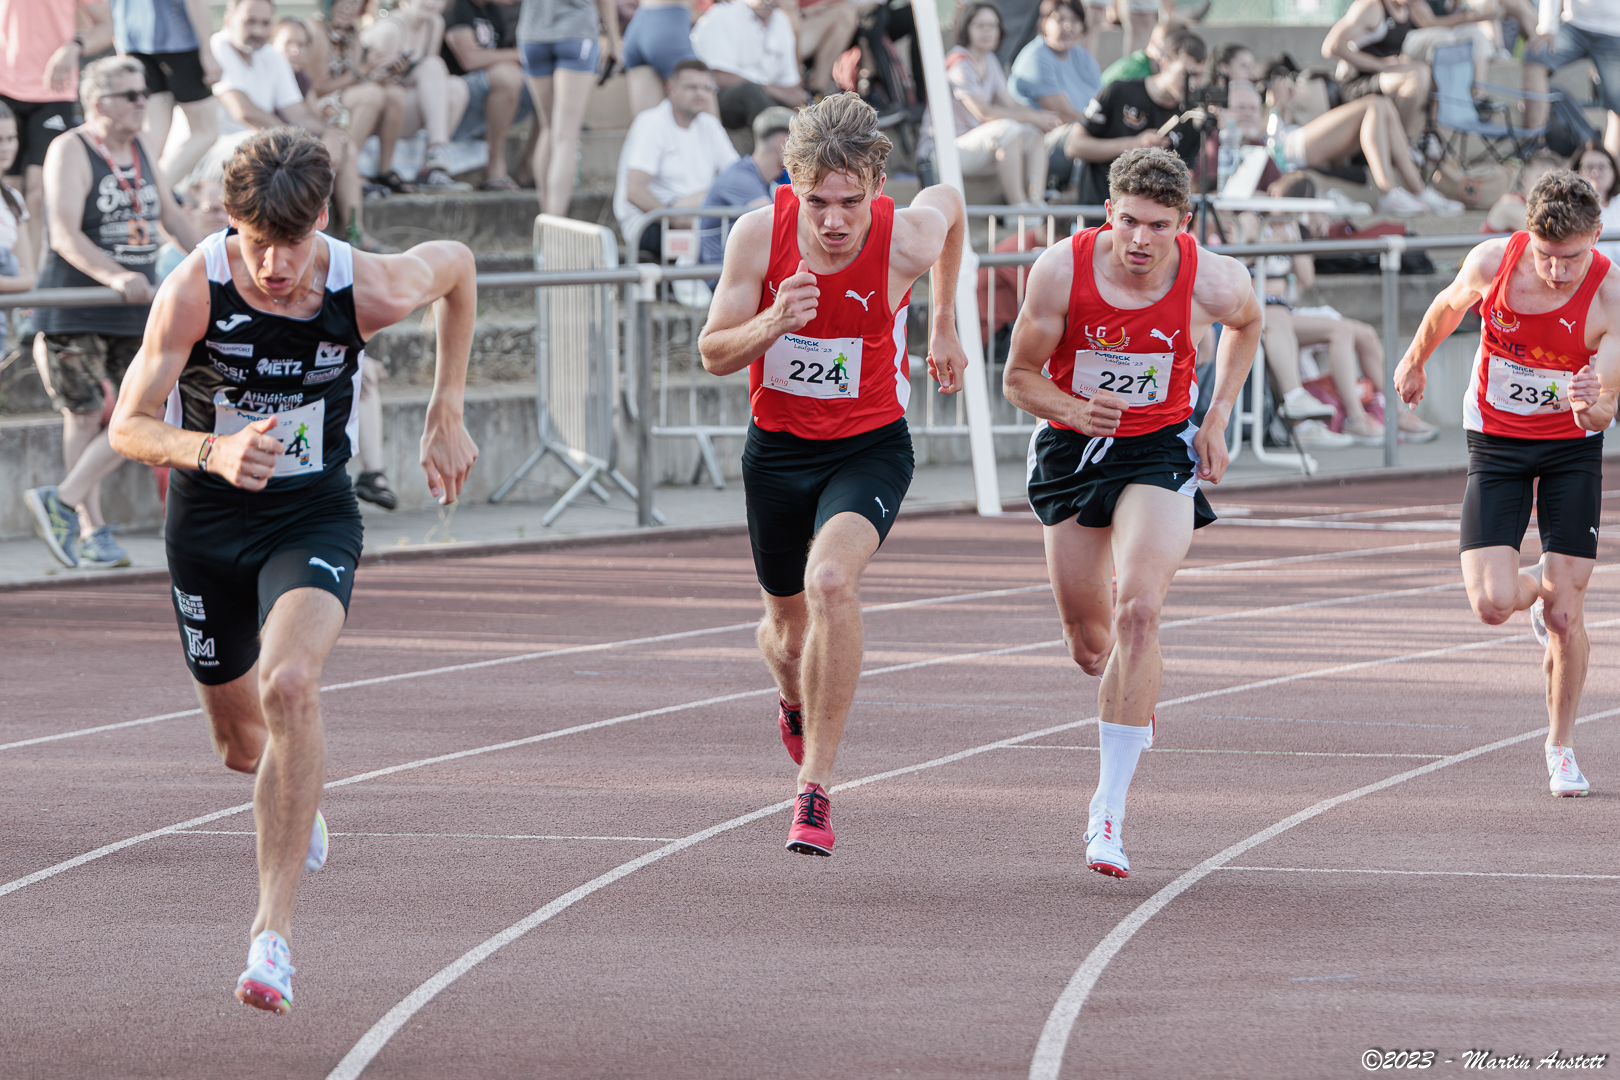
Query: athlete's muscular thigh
<point x="1152" y="531"/>
<point x="1491" y="576"/>
<point x="1080" y="563"/>
<point x="838" y="557"/>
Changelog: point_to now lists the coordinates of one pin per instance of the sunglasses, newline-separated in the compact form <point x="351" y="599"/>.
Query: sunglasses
<point x="131" y="96"/>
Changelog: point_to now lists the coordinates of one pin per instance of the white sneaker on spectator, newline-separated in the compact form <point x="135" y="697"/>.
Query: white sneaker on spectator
<point x="1366" y="432"/>
<point x="1314" y="435"/>
<point x="1439" y="204"/>
<point x="1402" y="203"/>
<point x="1298" y="404"/>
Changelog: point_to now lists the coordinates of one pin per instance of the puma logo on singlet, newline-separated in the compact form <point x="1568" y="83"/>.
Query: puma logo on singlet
<point x="772" y="286"/>
<point x="863" y="299"/>
<point x="227" y="325"/>
<point x="1170" y="341"/>
<point x="1569" y="324"/>
<point x="877" y="500"/>
<point x="315" y="560"/>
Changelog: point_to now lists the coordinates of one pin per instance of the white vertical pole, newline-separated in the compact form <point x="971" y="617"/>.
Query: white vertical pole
<point x="985" y="484"/>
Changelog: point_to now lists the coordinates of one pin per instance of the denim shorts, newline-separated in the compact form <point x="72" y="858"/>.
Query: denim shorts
<point x="1572" y="44"/>
<point x="473" y="125"/>
<point x="660" y="36"/>
<point x="541" y="58"/>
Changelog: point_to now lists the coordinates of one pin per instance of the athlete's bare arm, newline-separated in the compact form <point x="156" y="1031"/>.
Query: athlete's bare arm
<point x="1223" y="293"/>
<point x="387" y="288"/>
<point x="67" y="182"/>
<point x="178" y="321"/>
<point x="1594" y="391"/>
<point x="1473" y="281"/>
<point x="928" y="234"/>
<point x="1040" y="326"/>
<point x="737" y="331"/>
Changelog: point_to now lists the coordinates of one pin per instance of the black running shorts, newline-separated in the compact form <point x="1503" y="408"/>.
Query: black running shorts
<point x="232" y="555"/>
<point x="177" y="73"/>
<point x="1503" y="477"/>
<point x="1081" y="476"/>
<point x="794" y="486"/>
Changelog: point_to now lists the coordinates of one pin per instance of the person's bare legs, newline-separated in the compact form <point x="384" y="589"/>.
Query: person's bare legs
<point x="34" y="200"/>
<point x="346" y="189"/>
<point x="1151" y="533"/>
<point x="572" y="91"/>
<point x="1611" y="134"/>
<point x="1368" y="124"/>
<point x="1563" y="587"/>
<point x="365" y="102"/>
<point x="1080" y="564"/>
<point x="1282" y="349"/>
<point x="268" y="722"/>
<point x="1137" y="27"/>
<point x="817" y="636"/>
<point x="646" y="88"/>
<point x="371" y="415"/>
<point x="159" y="118"/>
<point x="1010" y="163"/>
<point x="826" y="30"/>
<point x="390" y="126"/>
<point x="1496" y="586"/>
<point x="500" y="109"/>
<point x="202" y="119"/>
<point x="1536" y="79"/>
<point x="540" y="92"/>
<point x="1409" y="90"/>
<point x="1036" y="162"/>
<point x="434" y="98"/>
<point x="1340" y="338"/>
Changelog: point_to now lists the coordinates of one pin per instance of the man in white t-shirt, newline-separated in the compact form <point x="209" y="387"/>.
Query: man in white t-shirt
<point x="672" y="152"/>
<point x="259" y="91"/>
<point x="751" y="48"/>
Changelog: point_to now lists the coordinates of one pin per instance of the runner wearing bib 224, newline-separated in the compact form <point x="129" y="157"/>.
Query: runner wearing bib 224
<point x="1543" y="387"/>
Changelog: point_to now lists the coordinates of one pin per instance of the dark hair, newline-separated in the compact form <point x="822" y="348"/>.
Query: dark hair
<point x="278" y="182"/>
<point x="1152" y="173"/>
<point x="1223" y="58"/>
<point x="969" y="12"/>
<point x="1561" y="207"/>
<point x="1076" y="8"/>
<point x="1183" y="42"/>
<point x="13" y="203"/>
<point x="1592" y="146"/>
<point x="691" y="63"/>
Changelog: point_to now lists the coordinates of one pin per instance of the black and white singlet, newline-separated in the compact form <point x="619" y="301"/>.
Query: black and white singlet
<point x="253" y="363"/>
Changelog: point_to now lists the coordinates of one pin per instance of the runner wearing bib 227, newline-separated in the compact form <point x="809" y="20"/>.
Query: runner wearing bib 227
<point x="245" y="385"/>
<point x="1103" y="352"/>
<point x="812" y="301"/>
<point x="1543" y="388"/>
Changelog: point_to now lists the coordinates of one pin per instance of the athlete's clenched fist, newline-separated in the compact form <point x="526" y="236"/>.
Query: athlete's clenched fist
<point x="796" y="299"/>
<point x="247" y="458"/>
<point x="1101" y="414"/>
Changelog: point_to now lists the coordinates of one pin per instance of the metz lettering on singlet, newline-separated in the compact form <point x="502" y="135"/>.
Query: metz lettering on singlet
<point x="1139" y="378"/>
<point x="825" y="368"/>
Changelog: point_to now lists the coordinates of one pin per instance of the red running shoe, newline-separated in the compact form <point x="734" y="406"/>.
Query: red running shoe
<point x="811" y="833"/>
<point x="791" y="722"/>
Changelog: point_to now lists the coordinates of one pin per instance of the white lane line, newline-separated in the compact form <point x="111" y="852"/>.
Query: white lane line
<point x="1349" y="723"/>
<point x="1367" y="526"/>
<point x="543" y="655"/>
<point x="1047" y="1062"/>
<point x="1280" y="753"/>
<point x="457" y="755"/>
<point x="1321" y="556"/>
<point x="1426" y="873"/>
<point x="443" y="836"/>
<point x="373" y="1041"/>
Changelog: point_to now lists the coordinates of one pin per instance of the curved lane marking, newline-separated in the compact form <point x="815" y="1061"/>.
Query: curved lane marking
<point x="373" y="1041"/>
<point x="1047" y="1063"/>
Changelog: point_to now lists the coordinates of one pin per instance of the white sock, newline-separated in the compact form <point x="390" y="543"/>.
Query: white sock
<point x="1121" y="746"/>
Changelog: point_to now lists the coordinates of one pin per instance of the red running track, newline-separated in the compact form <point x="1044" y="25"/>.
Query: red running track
<point x="570" y="864"/>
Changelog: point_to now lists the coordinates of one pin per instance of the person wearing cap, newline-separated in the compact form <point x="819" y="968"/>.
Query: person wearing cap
<point x="672" y="153"/>
<point x="749" y="181"/>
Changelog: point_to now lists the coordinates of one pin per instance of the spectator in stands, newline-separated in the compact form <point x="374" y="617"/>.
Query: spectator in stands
<point x="1599" y="168"/>
<point x="750" y="48"/>
<point x="372" y="483"/>
<point x="659" y="35"/>
<point x="39" y="78"/>
<point x="290" y="37"/>
<point x="1369" y="43"/>
<point x="1232" y="62"/>
<point x="1506" y="215"/>
<point x="105" y="199"/>
<point x="164" y="36"/>
<point x="17" y="261"/>
<point x="204" y="203"/>
<point x="995" y="135"/>
<point x="1130" y="113"/>
<point x="258" y="90"/>
<point x="562" y="43"/>
<point x="822" y="30"/>
<point x="749" y="181"/>
<point x="672" y="153"/>
<point x="1141" y="63"/>
<point x="340" y="72"/>
<point x="480" y="45"/>
<point x="413" y="33"/>
<point x="1138" y="18"/>
<point x="1056" y="73"/>
<point x="1571" y="31"/>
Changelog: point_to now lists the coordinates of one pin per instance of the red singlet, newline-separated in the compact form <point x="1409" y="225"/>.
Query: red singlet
<point x="1145" y="355"/>
<point x="1519" y="385"/>
<point x="845" y="372"/>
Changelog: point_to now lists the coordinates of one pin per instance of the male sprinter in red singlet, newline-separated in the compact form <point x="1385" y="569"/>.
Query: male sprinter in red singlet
<point x="1103" y="352"/>
<point x="1543" y="388"/>
<point x="812" y="301"/>
<point x="246" y="385"/>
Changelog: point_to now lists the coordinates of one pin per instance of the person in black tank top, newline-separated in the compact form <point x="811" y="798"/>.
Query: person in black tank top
<point x="104" y="198"/>
<point x="246" y="388"/>
<point x="1368" y="41"/>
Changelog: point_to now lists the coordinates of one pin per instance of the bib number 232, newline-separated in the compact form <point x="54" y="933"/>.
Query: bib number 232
<point x="1526" y="391"/>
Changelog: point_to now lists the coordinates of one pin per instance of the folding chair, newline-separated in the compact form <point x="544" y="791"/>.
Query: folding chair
<point x="1457" y="109"/>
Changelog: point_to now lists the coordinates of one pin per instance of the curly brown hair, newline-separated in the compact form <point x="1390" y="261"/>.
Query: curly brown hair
<point x="1152" y="173"/>
<point x="1562" y="206"/>
<point x="278" y="182"/>
<point x="837" y="134"/>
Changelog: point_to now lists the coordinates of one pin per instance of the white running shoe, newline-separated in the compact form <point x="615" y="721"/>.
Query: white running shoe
<point x="1300" y="404"/>
<point x="1439" y="204"/>
<point x="1563" y="775"/>
<point x="1402" y="203"/>
<point x="1104" y="851"/>
<point x="267" y="982"/>
<point x="1315" y="435"/>
<point x="317" y="845"/>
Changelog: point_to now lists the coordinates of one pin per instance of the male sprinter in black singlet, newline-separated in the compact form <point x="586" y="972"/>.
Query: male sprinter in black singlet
<point x="813" y="302"/>
<point x="1103" y="352"/>
<point x="246" y="385"/>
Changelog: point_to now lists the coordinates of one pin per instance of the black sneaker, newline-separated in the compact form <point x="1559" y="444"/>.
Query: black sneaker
<point x="373" y="487"/>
